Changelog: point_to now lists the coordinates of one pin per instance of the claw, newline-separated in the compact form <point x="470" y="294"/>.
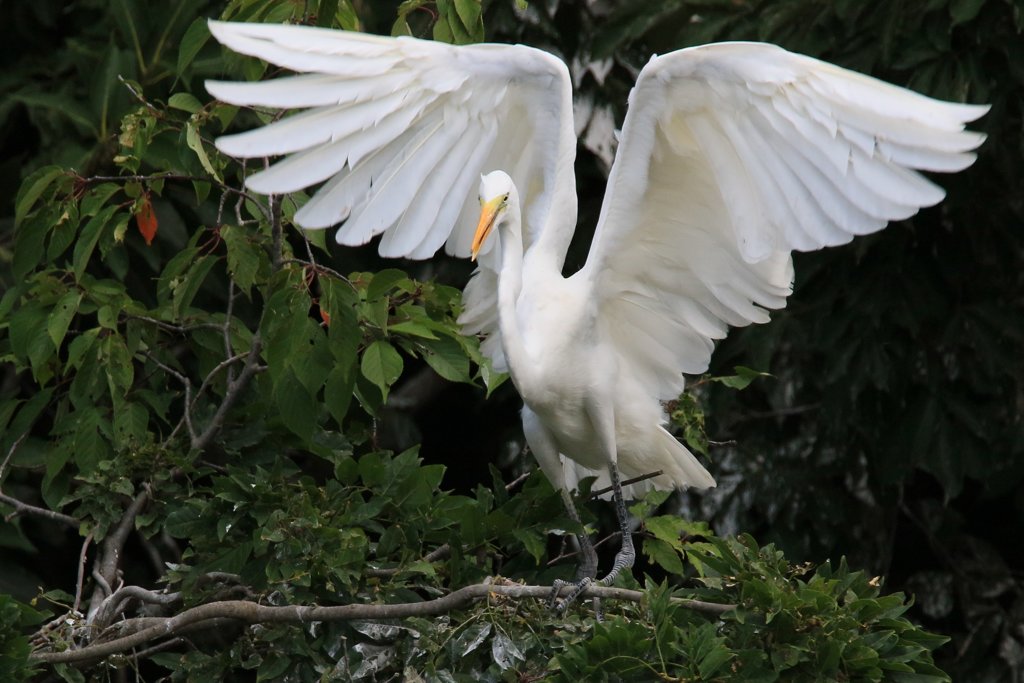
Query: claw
<point x="578" y="587"/>
<point x="556" y="587"/>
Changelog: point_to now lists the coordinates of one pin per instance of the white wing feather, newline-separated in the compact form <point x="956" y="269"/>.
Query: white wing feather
<point x="732" y="156"/>
<point x="399" y="131"/>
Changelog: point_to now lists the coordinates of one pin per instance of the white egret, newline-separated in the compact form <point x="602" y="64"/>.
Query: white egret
<point x="731" y="156"/>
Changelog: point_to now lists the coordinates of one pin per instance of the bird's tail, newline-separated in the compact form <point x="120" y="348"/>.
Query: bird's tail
<point x="679" y="468"/>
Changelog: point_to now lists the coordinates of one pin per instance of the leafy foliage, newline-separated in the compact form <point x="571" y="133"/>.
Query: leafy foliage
<point x="204" y="403"/>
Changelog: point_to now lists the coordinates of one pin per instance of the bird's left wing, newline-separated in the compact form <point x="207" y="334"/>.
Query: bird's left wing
<point x="733" y="155"/>
<point x="399" y="130"/>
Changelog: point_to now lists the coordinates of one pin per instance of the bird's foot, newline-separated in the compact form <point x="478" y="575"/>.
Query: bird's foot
<point x="623" y="561"/>
<point x="578" y="587"/>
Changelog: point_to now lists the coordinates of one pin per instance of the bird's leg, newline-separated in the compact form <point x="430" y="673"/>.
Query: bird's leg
<point x="586" y="571"/>
<point x="626" y="555"/>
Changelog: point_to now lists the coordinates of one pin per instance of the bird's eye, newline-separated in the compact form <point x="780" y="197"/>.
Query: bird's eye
<point x="505" y="199"/>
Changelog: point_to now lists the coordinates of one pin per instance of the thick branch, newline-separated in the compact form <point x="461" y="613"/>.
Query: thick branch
<point x="116" y="603"/>
<point x="109" y="559"/>
<point x="250" y="612"/>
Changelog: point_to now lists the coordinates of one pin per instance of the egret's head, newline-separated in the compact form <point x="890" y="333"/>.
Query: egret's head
<point x="496" y="188"/>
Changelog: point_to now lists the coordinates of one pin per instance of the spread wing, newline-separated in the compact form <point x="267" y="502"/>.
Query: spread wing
<point x="732" y="156"/>
<point x="399" y="132"/>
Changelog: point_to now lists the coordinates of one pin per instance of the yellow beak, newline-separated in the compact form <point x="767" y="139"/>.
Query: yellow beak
<point x="488" y="216"/>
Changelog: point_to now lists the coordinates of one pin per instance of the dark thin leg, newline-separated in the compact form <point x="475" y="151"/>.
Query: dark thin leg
<point x="626" y="555"/>
<point x="587" y="569"/>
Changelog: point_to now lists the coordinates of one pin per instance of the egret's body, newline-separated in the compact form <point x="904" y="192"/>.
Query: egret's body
<point x="731" y="156"/>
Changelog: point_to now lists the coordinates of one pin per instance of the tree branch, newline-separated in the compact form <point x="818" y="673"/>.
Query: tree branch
<point x="442" y="552"/>
<point x="234" y="389"/>
<point x="21" y="508"/>
<point x="108" y="560"/>
<point x="634" y="480"/>
<point x="150" y="629"/>
<point x="118" y="601"/>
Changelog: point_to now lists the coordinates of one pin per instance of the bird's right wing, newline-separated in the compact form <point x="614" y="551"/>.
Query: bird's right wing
<point x="401" y="130"/>
<point x="732" y="156"/>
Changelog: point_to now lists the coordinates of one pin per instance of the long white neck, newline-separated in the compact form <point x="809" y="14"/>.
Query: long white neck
<point x="510" y="286"/>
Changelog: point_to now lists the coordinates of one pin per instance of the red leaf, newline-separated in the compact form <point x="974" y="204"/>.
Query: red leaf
<point x="145" y="218"/>
<point x="326" y="317"/>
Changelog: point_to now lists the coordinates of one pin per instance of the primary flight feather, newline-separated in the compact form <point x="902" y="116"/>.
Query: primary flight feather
<point x="731" y="156"/>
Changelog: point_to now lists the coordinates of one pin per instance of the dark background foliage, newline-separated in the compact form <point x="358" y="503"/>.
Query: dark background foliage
<point x="889" y="432"/>
<point x="892" y="429"/>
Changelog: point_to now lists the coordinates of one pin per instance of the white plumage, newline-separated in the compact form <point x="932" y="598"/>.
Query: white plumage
<point x="731" y="156"/>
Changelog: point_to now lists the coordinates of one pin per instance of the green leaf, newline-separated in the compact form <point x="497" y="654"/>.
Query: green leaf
<point x="442" y="31"/>
<point x="382" y="365"/>
<point x="80" y="346"/>
<point x="295" y="404"/>
<point x="244" y="257"/>
<point x="96" y="198"/>
<point x="118" y="364"/>
<point x="412" y="328"/>
<point x="326" y="12"/>
<point x="60" y="318"/>
<point x="191" y="43"/>
<point x="195" y="143"/>
<point x="386" y="280"/>
<point x="742" y="379"/>
<point x="963" y="11"/>
<point x="338" y="391"/>
<point x="86" y="243"/>
<point x="28" y="243"/>
<point x="667" y="528"/>
<point x="32" y="189"/>
<point x="447" y="359"/>
<point x="664" y="555"/>
<point x="29" y="338"/>
<point x="187" y="289"/>
<point x="185" y="102"/>
<point x="469" y="12"/>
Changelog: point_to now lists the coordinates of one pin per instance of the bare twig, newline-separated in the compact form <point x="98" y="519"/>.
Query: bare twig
<point x="276" y="231"/>
<point x="234" y="389"/>
<point x="170" y="327"/>
<point x="226" y="363"/>
<point x="137" y="94"/>
<point x="318" y="268"/>
<point x="518" y="480"/>
<point x="442" y="552"/>
<point x="81" y="572"/>
<point x="10" y="454"/>
<point x="634" y="480"/>
<point x="251" y="613"/>
<point x="186" y="418"/>
<point x="227" y="332"/>
<point x="142" y="178"/>
<point x="21" y="508"/>
<point x="567" y="555"/>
